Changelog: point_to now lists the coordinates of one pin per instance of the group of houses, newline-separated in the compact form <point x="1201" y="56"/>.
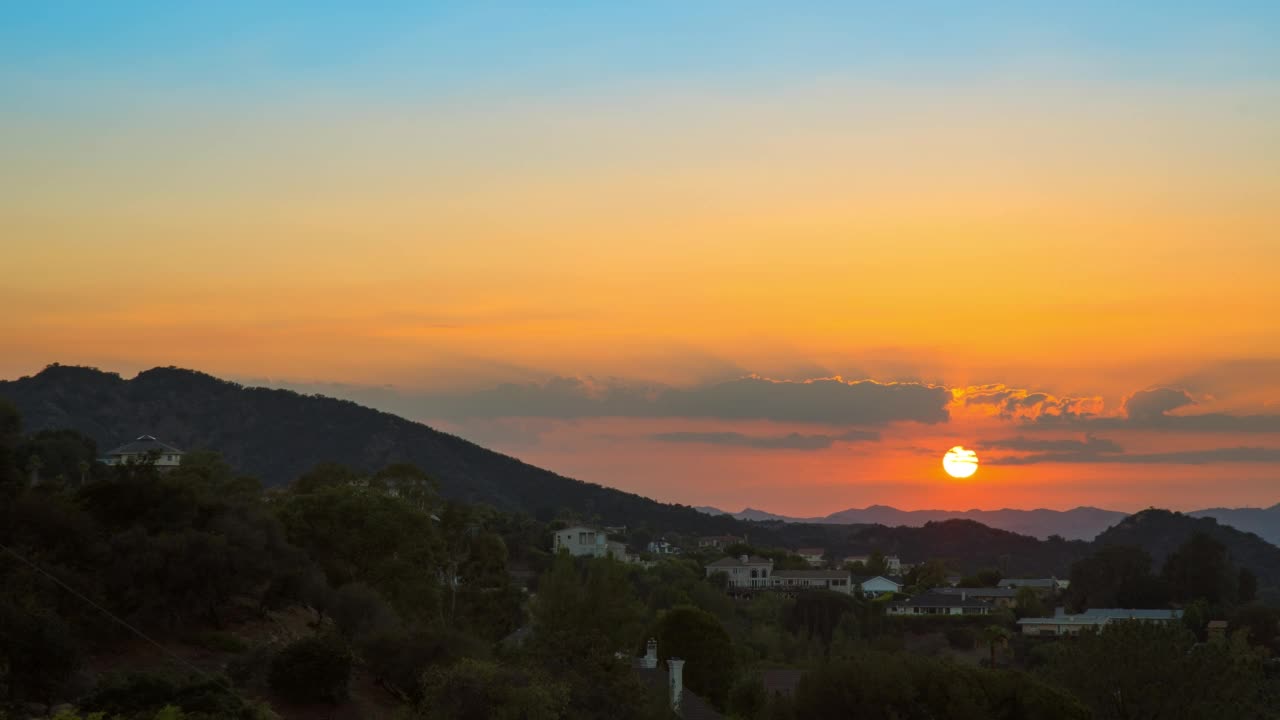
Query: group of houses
<point x="748" y="573"/>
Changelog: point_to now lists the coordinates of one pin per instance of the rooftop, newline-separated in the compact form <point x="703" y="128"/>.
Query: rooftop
<point x="812" y="574"/>
<point x="737" y="562"/>
<point x="1029" y="582"/>
<point x="859" y="579"/>
<point x="143" y="445"/>
<point x="979" y="592"/>
<point x="940" y="600"/>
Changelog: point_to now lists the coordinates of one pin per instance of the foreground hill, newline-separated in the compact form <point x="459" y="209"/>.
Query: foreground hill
<point x="276" y="435"/>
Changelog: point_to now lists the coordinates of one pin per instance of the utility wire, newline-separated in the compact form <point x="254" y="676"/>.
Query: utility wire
<point x="182" y="661"/>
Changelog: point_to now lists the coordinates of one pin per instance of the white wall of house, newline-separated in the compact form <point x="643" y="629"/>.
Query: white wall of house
<point x="877" y="586"/>
<point x="582" y="541"/>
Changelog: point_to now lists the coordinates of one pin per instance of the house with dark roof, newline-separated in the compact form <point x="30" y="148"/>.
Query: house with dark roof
<point x="1041" y="586"/>
<point x="744" y="571"/>
<point x="999" y="597"/>
<point x="936" y="603"/>
<point x="145" y="449"/>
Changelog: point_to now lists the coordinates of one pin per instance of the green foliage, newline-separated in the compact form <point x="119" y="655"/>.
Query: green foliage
<point x="358" y="610"/>
<point x="747" y="697"/>
<point x="905" y="687"/>
<point x="38" y="652"/>
<point x="398" y="659"/>
<point x="1116" y="576"/>
<point x="1199" y="569"/>
<point x="314" y="669"/>
<point x="1149" y="670"/>
<point x="1260" y="624"/>
<point x="142" y="695"/>
<point x="816" y="614"/>
<point x="481" y="690"/>
<point x="961" y="638"/>
<point x="698" y="638"/>
<point x="1027" y="603"/>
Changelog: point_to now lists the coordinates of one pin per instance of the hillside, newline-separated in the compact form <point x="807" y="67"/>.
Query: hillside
<point x="276" y="435"/>
<point x="1160" y="532"/>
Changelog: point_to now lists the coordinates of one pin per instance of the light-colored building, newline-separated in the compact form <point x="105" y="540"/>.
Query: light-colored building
<point x="936" y="603"/>
<point x="1064" y="624"/>
<point x="875" y="586"/>
<point x="999" y="597"/>
<point x="835" y="580"/>
<point x="143" y="449"/>
<point x="746" y="571"/>
<point x="661" y="547"/>
<point x="813" y="556"/>
<point x="720" y="541"/>
<point x="892" y="563"/>
<point x="583" y="540"/>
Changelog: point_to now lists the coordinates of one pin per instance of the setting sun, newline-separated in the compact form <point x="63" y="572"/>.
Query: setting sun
<point x="959" y="462"/>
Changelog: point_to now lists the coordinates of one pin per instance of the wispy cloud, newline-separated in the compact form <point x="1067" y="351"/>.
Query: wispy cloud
<point x="1181" y="457"/>
<point x="790" y="441"/>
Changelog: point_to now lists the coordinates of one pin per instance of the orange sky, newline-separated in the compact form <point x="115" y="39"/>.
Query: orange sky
<point x="1042" y="220"/>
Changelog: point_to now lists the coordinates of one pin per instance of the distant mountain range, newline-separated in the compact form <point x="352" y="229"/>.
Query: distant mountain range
<point x="1082" y="523"/>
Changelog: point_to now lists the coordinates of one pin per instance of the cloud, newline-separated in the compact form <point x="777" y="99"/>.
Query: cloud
<point x="1146" y="405"/>
<point x="1024" y="444"/>
<point x="833" y="401"/>
<point x="1150" y="410"/>
<point x="1020" y="404"/>
<point x="790" y="441"/>
<point x="1181" y="457"/>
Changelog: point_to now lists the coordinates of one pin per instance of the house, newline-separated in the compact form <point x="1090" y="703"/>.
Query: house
<point x="999" y="597"/>
<point x="875" y="585"/>
<point x="661" y="547"/>
<point x="1042" y="586"/>
<point x="583" y="540"/>
<point x="720" y="541"/>
<point x="813" y="556"/>
<point x="936" y="603"/>
<point x="685" y="704"/>
<point x="146" y="447"/>
<point x="834" y="580"/>
<point x="892" y="563"/>
<point x="746" y="571"/>
<point x="1064" y="624"/>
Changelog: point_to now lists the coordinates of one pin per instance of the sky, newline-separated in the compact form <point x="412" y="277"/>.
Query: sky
<point x="720" y="254"/>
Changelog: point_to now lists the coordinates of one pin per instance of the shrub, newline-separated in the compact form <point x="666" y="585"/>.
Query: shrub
<point x="312" y="670"/>
<point x="962" y="638"/>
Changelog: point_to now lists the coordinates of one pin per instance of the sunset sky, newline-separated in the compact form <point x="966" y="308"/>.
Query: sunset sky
<point x="715" y="253"/>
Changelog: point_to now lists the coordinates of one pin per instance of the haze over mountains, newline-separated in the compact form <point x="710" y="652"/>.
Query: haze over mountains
<point x="1082" y="523"/>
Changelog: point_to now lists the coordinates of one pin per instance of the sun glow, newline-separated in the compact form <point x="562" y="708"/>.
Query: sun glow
<point x="959" y="462"/>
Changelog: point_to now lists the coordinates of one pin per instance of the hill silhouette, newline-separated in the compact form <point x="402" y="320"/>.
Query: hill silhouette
<point x="276" y="435"/>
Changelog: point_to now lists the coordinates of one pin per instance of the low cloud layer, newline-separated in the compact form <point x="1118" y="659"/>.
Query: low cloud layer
<point x="790" y="441"/>
<point x="1024" y="444"/>
<point x="831" y="401"/>
<point x="1181" y="457"/>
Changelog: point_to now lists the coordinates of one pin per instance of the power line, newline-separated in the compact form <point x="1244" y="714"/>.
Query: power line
<point x="123" y="623"/>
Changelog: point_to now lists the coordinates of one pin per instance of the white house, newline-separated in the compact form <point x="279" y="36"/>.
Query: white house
<point x="835" y="580"/>
<point x="813" y="556"/>
<point x="932" y="603"/>
<point x="744" y="571"/>
<point x="165" y="456"/>
<point x="583" y="540"/>
<point x="661" y="547"/>
<point x="875" y="586"/>
<point x="1064" y="624"/>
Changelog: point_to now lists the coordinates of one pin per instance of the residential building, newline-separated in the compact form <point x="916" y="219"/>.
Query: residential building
<point x="1064" y="624"/>
<point x="834" y="580"/>
<point x="720" y="541"/>
<point x="746" y="571"/>
<point x="813" y="556"/>
<point x="661" y="547"/>
<point x="584" y="540"/>
<point x="875" y="585"/>
<point x="163" y="456"/>
<point x="999" y="597"/>
<point x="936" y="603"/>
<point x="892" y="563"/>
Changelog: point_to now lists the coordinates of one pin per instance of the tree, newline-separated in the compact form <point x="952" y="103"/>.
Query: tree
<point x="1115" y="576"/>
<point x="1200" y="569"/>
<point x="481" y="690"/>
<point x="38" y="653"/>
<point x="928" y="575"/>
<point x="698" y="638"/>
<point x="1028" y="603"/>
<point x="995" y="636"/>
<point x="315" y="669"/>
<point x="1246" y="586"/>
<point x="410" y="483"/>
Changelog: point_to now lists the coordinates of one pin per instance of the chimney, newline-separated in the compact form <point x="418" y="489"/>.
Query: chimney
<point x="676" y="666"/>
<point x="963" y="595"/>
<point x="650" y="654"/>
<point x="744" y="559"/>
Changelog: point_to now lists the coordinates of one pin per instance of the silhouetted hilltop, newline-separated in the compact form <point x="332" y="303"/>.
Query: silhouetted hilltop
<point x="276" y="435"/>
<point x="1161" y="532"/>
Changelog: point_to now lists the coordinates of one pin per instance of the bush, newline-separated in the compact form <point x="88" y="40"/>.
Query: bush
<point x="143" y="694"/>
<point x="962" y="638"/>
<point x="312" y="670"/>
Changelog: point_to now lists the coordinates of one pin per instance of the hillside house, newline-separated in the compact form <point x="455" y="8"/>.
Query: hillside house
<point x="1064" y="624"/>
<point x="813" y="556"/>
<point x="834" y="580"/>
<point x="583" y="540"/>
<point x="936" y="603"/>
<point x="999" y="597"/>
<point x="165" y="457"/>
<point x="875" y="585"/>
<point x="719" y="542"/>
<point x="662" y="547"/>
<point x="746" y="571"/>
<point x="892" y="563"/>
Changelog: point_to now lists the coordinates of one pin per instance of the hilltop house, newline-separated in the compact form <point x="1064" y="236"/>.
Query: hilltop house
<point x="583" y="540"/>
<point x="999" y="597"/>
<point x="813" y="556"/>
<point x="936" y="603"/>
<point x="835" y="580"/>
<point x="746" y="571"/>
<point x="165" y="457"/>
<point x="1064" y="624"/>
<point x="875" y="585"/>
